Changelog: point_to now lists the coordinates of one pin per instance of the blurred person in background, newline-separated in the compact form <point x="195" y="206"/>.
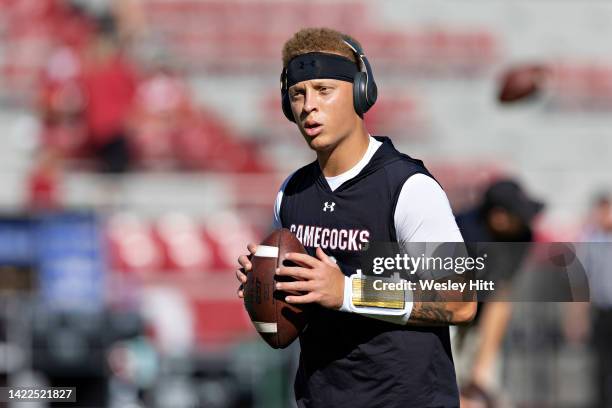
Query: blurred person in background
<point x="597" y="258"/>
<point x="61" y="103"/>
<point x="109" y="81"/>
<point x="44" y="181"/>
<point x="505" y="214"/>
<point x="61" y="100"/>
<point x="162" y="111"/>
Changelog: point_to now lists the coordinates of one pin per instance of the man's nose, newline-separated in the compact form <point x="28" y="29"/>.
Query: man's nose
<point x="310" y="102"/>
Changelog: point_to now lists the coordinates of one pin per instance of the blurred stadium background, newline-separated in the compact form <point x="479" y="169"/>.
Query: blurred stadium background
<point x="142" y="144"/>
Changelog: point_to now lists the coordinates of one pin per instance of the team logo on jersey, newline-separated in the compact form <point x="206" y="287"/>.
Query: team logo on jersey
<point x="329" y="206"/>
<point x="344" y="239"/>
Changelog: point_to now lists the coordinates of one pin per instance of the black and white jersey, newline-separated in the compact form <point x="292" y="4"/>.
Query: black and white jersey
<point x="348" y="359"/>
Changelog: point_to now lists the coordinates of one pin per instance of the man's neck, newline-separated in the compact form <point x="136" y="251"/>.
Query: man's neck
<point x="345" y="154"/>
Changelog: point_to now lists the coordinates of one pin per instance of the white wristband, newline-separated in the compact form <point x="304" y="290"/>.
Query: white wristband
<point x="348" y="293"/>
<point x="403" y="314"/>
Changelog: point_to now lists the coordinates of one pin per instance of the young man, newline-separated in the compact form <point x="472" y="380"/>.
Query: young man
<point x="359" y="190"/>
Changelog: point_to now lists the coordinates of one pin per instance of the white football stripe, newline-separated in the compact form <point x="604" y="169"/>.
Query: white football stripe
<point x="264" y="327"/>
<point x="265" y="251"/>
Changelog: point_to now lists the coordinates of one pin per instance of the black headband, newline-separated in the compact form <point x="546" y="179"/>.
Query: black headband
<point x="318" y="65"/>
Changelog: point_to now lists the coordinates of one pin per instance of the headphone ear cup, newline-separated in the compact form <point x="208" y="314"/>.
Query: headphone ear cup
<point x="286" y="104"/>
<point x="372" y="94"/>
<point x="359" y="93"/>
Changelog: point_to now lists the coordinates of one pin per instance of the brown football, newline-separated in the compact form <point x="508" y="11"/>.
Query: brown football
<point x="278" y="322"/>
<point x="522" y="83"/>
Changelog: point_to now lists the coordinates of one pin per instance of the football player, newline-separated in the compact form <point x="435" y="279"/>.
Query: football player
<point x="359" y="190"/>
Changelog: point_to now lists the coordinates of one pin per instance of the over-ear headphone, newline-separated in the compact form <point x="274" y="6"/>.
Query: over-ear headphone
<point x="365" y="91"/>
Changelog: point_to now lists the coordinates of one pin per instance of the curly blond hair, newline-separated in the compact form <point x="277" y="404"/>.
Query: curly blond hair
<point x="317" y="39"/>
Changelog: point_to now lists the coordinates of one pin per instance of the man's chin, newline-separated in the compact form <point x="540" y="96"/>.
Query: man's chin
<point x="320" y="143"/>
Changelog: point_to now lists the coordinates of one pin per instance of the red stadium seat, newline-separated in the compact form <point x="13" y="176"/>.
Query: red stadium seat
<point x="220" y="321"/>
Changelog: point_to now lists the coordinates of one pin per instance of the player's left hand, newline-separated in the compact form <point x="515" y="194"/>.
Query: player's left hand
<point x="320" y="278"/>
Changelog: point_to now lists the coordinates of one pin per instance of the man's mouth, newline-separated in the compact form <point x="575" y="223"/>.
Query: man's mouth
<point x="312" y="128"/>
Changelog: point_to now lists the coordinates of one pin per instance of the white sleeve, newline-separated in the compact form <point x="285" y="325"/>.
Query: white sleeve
<point x="276" y="221"/>
<point x="423" y="213"/>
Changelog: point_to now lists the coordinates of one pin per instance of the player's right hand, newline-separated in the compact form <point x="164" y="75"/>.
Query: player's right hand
<point x="245" y="267"/>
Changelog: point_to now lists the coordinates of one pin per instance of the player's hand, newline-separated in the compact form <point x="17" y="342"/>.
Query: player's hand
<point x="245" y="267"/>
<point x="319" y="278"/>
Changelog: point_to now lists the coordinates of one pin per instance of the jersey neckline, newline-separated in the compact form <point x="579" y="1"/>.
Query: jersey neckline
<point x="384" y="153"/>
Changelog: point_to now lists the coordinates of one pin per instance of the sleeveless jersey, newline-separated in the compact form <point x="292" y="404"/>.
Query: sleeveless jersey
<point x="348" y="360"/>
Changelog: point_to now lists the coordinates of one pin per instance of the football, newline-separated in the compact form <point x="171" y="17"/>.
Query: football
<point x="276" y="321"/>
<point x="522" y="83"/>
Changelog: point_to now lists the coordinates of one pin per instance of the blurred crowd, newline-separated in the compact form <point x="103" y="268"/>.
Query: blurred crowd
<point x="103" y="109"/>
